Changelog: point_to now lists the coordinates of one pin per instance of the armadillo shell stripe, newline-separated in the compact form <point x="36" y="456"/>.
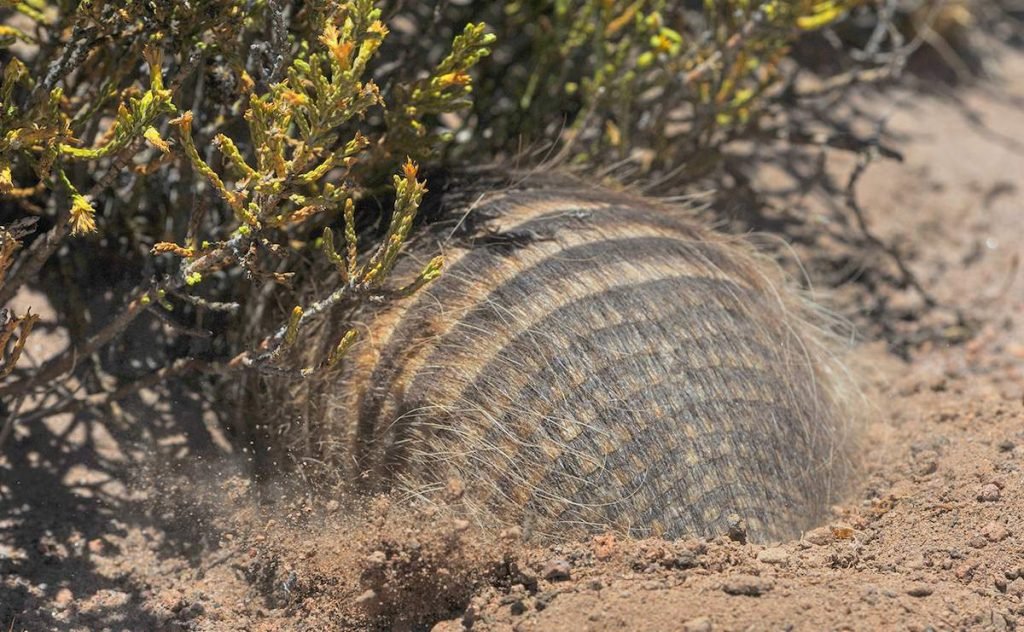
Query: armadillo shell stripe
<point x="704" y="501"/>
<point x="678" y="433"/>
<point x="481" y="262"/>
<point x="644" y="248"/>
<point x="537" y="394"/>
<point x="700" y="490"/>
<point x="550" y="371"/>
<point x="699" y="317"/>
<point x="633" y="293"/>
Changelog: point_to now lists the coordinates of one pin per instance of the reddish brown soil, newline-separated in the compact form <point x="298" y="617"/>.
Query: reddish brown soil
<point x="102" y="527"/>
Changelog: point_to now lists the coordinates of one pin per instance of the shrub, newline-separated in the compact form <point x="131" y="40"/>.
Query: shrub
<point x="194" y="161"/>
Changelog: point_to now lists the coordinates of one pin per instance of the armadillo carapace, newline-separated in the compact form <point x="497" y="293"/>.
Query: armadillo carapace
<point x="591" y="360"/>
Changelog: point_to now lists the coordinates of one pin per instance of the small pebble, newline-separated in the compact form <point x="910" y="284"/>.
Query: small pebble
<point x="926" y="463"/>
<point x="842" y="531"/>
<point x="998" y="622"/>
<point x="700" y="624"/>
<point x="544" y="599"/>
<point x="747" y="585"/>
<point x="820" y="536"/>
<point x="1016" y="587"/>
<point x="604" y="546"/>
<point x="920" y="590"/>
<point x="737" y="528"/>
<point x="917" y="562"/>
<point x="63" y="598"/>
<point x="965" y="572"/>
<point x="774" y="555"/>
<point x="995" y="532"/>
<point x="989" y="493"/>
<point x="556" y="571"/>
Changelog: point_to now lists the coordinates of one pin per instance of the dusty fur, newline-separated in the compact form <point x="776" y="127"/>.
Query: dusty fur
<point x="590" y="360"/>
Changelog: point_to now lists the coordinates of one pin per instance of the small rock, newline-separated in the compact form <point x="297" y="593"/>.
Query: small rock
<point x="774" y="555"/>
<point x="1006" y="445"/>
<point x="737" y="528"/>
<point x="989" y="493"/>
<point x="995" y="532"/>
<point x="460" y="525"/>
<point x="517" y="608"/>
<point x="192" y="608"/>
<point x="747" y="585"/>
<point x="544" y="599"/>
<point x="605" y="546"/>
<point x="688" y="557"/>
<point x="1001" y="584"/>
<point x="926" y="462"/>
<point x="842" y="531"/>
<point x="917" y="562"/>
<point x="366" y="597"/>
<point x="977" y="542"/>
<point x="333" y="506"/>
<point x="920" y="590"/>
<point x="820" y="536"/>
<point x="63" y="598"/>
<point x="556" y="571"/>
<point x="843" y="558"/>
<point x="96" y="546"/>
<point x="527" y="578"/>
<point x="700" y="624"/>
<point x="1016" y="587"/>
<point x="965" y="572"/>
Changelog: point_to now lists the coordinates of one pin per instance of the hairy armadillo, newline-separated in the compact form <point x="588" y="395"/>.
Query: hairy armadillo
<point x="592" y="360"/>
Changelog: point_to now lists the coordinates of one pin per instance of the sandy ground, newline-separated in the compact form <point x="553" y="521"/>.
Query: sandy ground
<point x="103" y="527"/>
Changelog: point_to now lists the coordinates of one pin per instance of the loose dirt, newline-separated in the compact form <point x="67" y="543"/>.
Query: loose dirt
<point x="139" y="519"/>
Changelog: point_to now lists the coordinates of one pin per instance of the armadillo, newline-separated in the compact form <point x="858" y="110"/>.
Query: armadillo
<point x="593" y="360"/>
